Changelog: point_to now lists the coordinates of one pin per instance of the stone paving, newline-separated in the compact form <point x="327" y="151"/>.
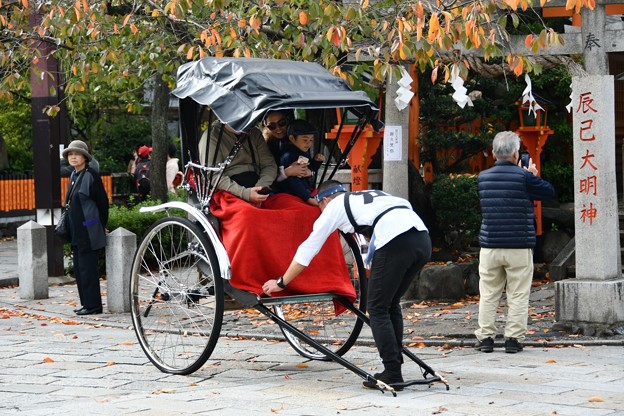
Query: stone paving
<point x="53" y="362"/>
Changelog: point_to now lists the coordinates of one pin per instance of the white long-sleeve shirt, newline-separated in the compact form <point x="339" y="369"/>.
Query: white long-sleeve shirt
<point x="365" y="207"/>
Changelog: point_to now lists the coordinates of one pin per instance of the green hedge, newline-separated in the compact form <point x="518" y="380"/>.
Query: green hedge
<point x="137" y="222"/>
<point x="455" y="201"/>
<point x="561" y="176"/>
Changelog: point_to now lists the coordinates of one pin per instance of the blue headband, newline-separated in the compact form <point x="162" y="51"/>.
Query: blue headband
<point x="329" y="192"/>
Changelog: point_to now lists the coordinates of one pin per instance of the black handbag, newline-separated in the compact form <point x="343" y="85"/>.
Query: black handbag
<point x="62" y="230"/>
<point x="62" y="227"/>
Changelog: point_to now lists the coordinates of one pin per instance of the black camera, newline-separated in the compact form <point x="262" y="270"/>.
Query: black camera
<point x="524" y="159"/>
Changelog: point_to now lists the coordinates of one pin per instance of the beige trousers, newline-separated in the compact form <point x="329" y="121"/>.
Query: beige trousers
<point x="510" y="269"/>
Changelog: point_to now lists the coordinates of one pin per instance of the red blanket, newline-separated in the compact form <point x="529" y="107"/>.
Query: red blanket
<point x="261" y="243"/>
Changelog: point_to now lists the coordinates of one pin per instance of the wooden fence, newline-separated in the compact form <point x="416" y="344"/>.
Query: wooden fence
<point x="17" y="192"/>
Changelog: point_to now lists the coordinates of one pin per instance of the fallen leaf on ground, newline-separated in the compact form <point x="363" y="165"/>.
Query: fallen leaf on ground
<point x="302" y="365"/>
<point x="48" y="360"/>
<point x="595" y="399"/>
<point x="550" y="361"/>
<point x="163" y="391"/>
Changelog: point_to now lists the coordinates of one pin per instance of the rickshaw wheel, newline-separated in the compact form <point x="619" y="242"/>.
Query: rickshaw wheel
<point x="318" y="319"/>
<point x="176" y="296"/>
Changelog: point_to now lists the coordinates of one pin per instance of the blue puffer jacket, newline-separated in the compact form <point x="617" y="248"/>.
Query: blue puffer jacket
<point x="507" y="192"/>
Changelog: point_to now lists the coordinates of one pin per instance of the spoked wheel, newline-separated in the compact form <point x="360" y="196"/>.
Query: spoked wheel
<point x="318" y="320"/>
<point x="176" y="296"/>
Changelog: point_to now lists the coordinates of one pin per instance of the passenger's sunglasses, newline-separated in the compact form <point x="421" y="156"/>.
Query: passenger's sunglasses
<point x="281" y="123"/>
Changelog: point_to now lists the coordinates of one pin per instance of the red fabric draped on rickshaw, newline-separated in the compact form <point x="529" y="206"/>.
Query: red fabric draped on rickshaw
<point x="261" y="243"/>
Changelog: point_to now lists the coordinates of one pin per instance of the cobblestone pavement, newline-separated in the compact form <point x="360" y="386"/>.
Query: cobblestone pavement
<point x="53" y="362"/>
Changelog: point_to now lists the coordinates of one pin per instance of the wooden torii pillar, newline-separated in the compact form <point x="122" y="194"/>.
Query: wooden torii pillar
<point x="46" y="132"/>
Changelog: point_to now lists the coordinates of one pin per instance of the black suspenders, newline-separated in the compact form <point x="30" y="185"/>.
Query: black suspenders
<point x="367" y="230"/>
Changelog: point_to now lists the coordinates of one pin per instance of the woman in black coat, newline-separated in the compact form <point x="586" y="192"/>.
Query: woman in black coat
<point x="88" y="216"/>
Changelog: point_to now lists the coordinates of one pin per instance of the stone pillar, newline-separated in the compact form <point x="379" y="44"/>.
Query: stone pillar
<point x="120" y="248"/>
<point x="596" y="295"/>
<point x="32" y="261"/>
<point x="395" y="144"/>
<point x="595" y="59"/>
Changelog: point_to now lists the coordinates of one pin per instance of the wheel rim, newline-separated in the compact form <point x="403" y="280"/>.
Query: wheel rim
<point x="176" y="296"/>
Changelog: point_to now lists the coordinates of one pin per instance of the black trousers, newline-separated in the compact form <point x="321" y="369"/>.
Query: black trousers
<point x="393" y="268"/>
<point x="87" y="277"/>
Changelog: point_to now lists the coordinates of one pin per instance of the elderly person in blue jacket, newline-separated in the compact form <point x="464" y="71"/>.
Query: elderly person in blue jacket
<point x="507" y="239"/>
<point x="88" y="216"/>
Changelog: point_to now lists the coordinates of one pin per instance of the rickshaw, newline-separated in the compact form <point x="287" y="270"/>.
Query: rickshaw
<point x="181" y="277"/>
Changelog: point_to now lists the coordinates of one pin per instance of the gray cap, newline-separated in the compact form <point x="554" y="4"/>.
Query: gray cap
<point x="78" y="146"/>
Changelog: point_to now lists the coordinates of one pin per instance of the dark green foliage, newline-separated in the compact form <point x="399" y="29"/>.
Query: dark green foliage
<point x="129" y="217"/>
<point x="443" y="121"/>
<point x="456" y="203"/>
<point x="561" y="176"/>
<point x="118" y="139"/>
<point x="16" y="130"/>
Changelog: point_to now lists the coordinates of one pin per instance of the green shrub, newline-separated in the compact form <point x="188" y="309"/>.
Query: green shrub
<point x="16" y="130"/>
<point x="119" y="138"/>
<point x="137" y="222"/>
<point x="455" y="201"/>
<point x="561" y="176"/>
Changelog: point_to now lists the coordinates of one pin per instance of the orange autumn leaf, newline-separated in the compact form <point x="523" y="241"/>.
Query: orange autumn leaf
<point x="550" y="361"/>
<point x="163" y="391"/>
<point x="402" y="53"/>
<point x="336" y="37"/>
<point x="434" y="27"/>
<point x="519" y="67"/>
<point x="277" y="409"/>
<point x="110" y="363"/>
<point x="595" y="399"/>
<point x="303" y="18"/>
<point x="302" y="365"/>
<point x="48" y="360"/>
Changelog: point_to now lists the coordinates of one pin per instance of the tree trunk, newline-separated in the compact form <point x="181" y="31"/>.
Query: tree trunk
<point x="160" y="106"/>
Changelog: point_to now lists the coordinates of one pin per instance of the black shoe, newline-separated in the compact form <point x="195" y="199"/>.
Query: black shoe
<point x="390" y="379"/>
<point x="486" y="345"/>
<point x="78" y="309"/>
<point x="85" y="311"/>
<point x="512" y="346"/>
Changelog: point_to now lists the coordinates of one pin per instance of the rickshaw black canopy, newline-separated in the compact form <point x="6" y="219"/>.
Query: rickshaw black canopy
<point x="240" y="91"/>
